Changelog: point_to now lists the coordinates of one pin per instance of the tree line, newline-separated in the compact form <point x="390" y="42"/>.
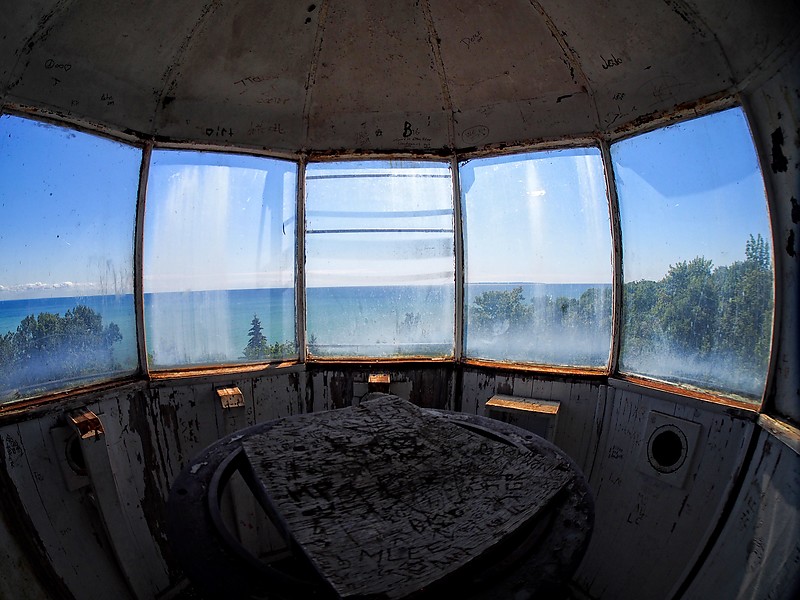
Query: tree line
<point x="49" y="347"/>
<point x="696" y="310"/>
<point x="701" y="311"/>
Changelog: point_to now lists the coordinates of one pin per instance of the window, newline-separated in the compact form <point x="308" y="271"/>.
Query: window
<point x="219" y="256"/>
<point x="697" y="266"/>
<point x="68" y="210"/>
<point x="538" y="258"/>
<point x="379" y="259"/>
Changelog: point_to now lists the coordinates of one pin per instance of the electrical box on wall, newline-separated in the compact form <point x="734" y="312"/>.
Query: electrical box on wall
<point x="537" y="416"/>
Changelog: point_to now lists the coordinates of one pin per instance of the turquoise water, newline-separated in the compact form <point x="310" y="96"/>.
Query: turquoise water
<point x="212" y="326"/>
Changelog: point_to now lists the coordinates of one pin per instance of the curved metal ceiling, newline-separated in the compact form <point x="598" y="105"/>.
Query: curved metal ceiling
<point x="418" y="75"/>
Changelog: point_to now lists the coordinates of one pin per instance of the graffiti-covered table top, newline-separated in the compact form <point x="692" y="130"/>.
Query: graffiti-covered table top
<point x="385" y="499"/>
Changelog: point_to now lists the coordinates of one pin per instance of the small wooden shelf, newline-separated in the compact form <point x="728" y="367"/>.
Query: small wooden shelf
<point x="533" y="414"/>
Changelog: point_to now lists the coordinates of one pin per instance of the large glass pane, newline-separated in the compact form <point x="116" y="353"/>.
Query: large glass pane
<point x="379" y="259"/>
<point x="219" y="255"/>
<point x="68" y="210"/>
<point x="697" y="261"/>
<point x="538" y="258"/>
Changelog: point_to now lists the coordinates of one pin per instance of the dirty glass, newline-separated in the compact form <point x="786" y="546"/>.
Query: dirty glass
<point x="697" y="300"/>
<point x="538" y="269"/>
<point x="219" y="256"/>
<point x="379" y="259"/>
<point x="68" y="211"/>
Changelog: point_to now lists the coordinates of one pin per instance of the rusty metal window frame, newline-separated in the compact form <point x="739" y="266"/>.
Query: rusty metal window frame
<point x="96" y="385"/>
<point x="603" y="140"/>
<point x="393" y="229"/>
<point x="232" y="159"/>
<point x="730" y="399"/>
<point x="595" y="143"/>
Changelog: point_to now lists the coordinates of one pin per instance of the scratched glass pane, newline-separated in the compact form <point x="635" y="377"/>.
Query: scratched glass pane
<point x="380" y="259"/>
<point x="68" y="206"/>
<point x="537" y="258"/>
<point x="697" y="262"/>
<point x="219" y="255"/>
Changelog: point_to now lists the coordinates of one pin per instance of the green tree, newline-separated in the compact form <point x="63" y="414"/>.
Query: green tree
<point x="746" y="299"/>
<point x="640" y="328"/>
<point x="497" y="311"/>
<point x="711" y="320"/>
<point x="48" y="347"/>
<point x="687" y="305"/>
<point x="257" y="347"/>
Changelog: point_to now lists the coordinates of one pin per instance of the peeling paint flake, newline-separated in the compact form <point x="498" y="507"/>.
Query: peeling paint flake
<point x="780" y="163"/>
<point x="198" y="466"/>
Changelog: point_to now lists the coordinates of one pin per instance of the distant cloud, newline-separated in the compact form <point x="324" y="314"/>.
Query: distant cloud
<point x="38" y="285"/>
<point x="39" y="289"/>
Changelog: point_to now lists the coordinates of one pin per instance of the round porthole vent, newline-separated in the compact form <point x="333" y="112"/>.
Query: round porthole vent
<point x="667" y="449"/>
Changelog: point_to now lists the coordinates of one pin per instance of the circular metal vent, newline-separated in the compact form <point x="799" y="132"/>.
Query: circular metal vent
<point x="667" y="449"/>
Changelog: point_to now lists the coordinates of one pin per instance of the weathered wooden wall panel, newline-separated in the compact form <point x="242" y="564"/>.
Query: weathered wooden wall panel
<point x="112" y="481"/>
<point x="758" y="552"/>
<point x="580" y="421"/>
<point x="429" y="387"/>
<point x="67" y="522"/>
<point x="19" y="579"/>
<point x="580" y="413"/>
<point x="657" y="531"/>
<point x="279" y="396"/>
<point x="647" y="531"/>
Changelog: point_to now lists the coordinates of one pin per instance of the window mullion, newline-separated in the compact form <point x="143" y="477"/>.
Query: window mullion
<point x="616" y="258"/>
<point x="300" y="261"/>
<point x="458" y="233"/>
<point x="138" y="259"/>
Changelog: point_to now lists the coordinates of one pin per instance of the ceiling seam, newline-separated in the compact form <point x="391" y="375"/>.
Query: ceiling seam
<point x="691" y="16"/>
<point x="311" y="78"/>
<point x="169" y="80"/>
<point x="434" y="41"/>
<point x="571" y="57"/>
<point x="42" y="31"/>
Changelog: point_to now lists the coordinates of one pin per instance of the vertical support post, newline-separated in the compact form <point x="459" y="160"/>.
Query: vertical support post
<point x="300" y="261"/>
<point x="458" y="234"/>
<point x="616" y="258"/>
<point x="137" y="556"/>
<point x="138" y="259"/>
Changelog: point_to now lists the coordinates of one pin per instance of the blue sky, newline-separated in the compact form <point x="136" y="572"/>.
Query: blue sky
<point x="379" y="223"/>
<point x="67" y="211"/>
<point x="537" y="217"/>
<point x="219" y="221"/>
<point x="691" y="189"/>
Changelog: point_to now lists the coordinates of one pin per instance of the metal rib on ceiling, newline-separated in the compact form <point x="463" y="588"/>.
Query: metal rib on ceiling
<point x="417" y="75"/>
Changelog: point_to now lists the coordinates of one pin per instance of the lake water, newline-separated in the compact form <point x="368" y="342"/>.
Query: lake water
<point x="212" y="326"/>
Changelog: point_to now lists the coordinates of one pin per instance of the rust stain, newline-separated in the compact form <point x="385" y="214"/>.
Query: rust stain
<point x="87" y="423"/>
<point x="430" y="388"/>
<point x="341" y="391"/>
<point x="533" y="369"/>
<point x="153" y="503"/>
<point x="733" y="403"/>
<point x="309" y="404"/>
<point x="59" y="401"/>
